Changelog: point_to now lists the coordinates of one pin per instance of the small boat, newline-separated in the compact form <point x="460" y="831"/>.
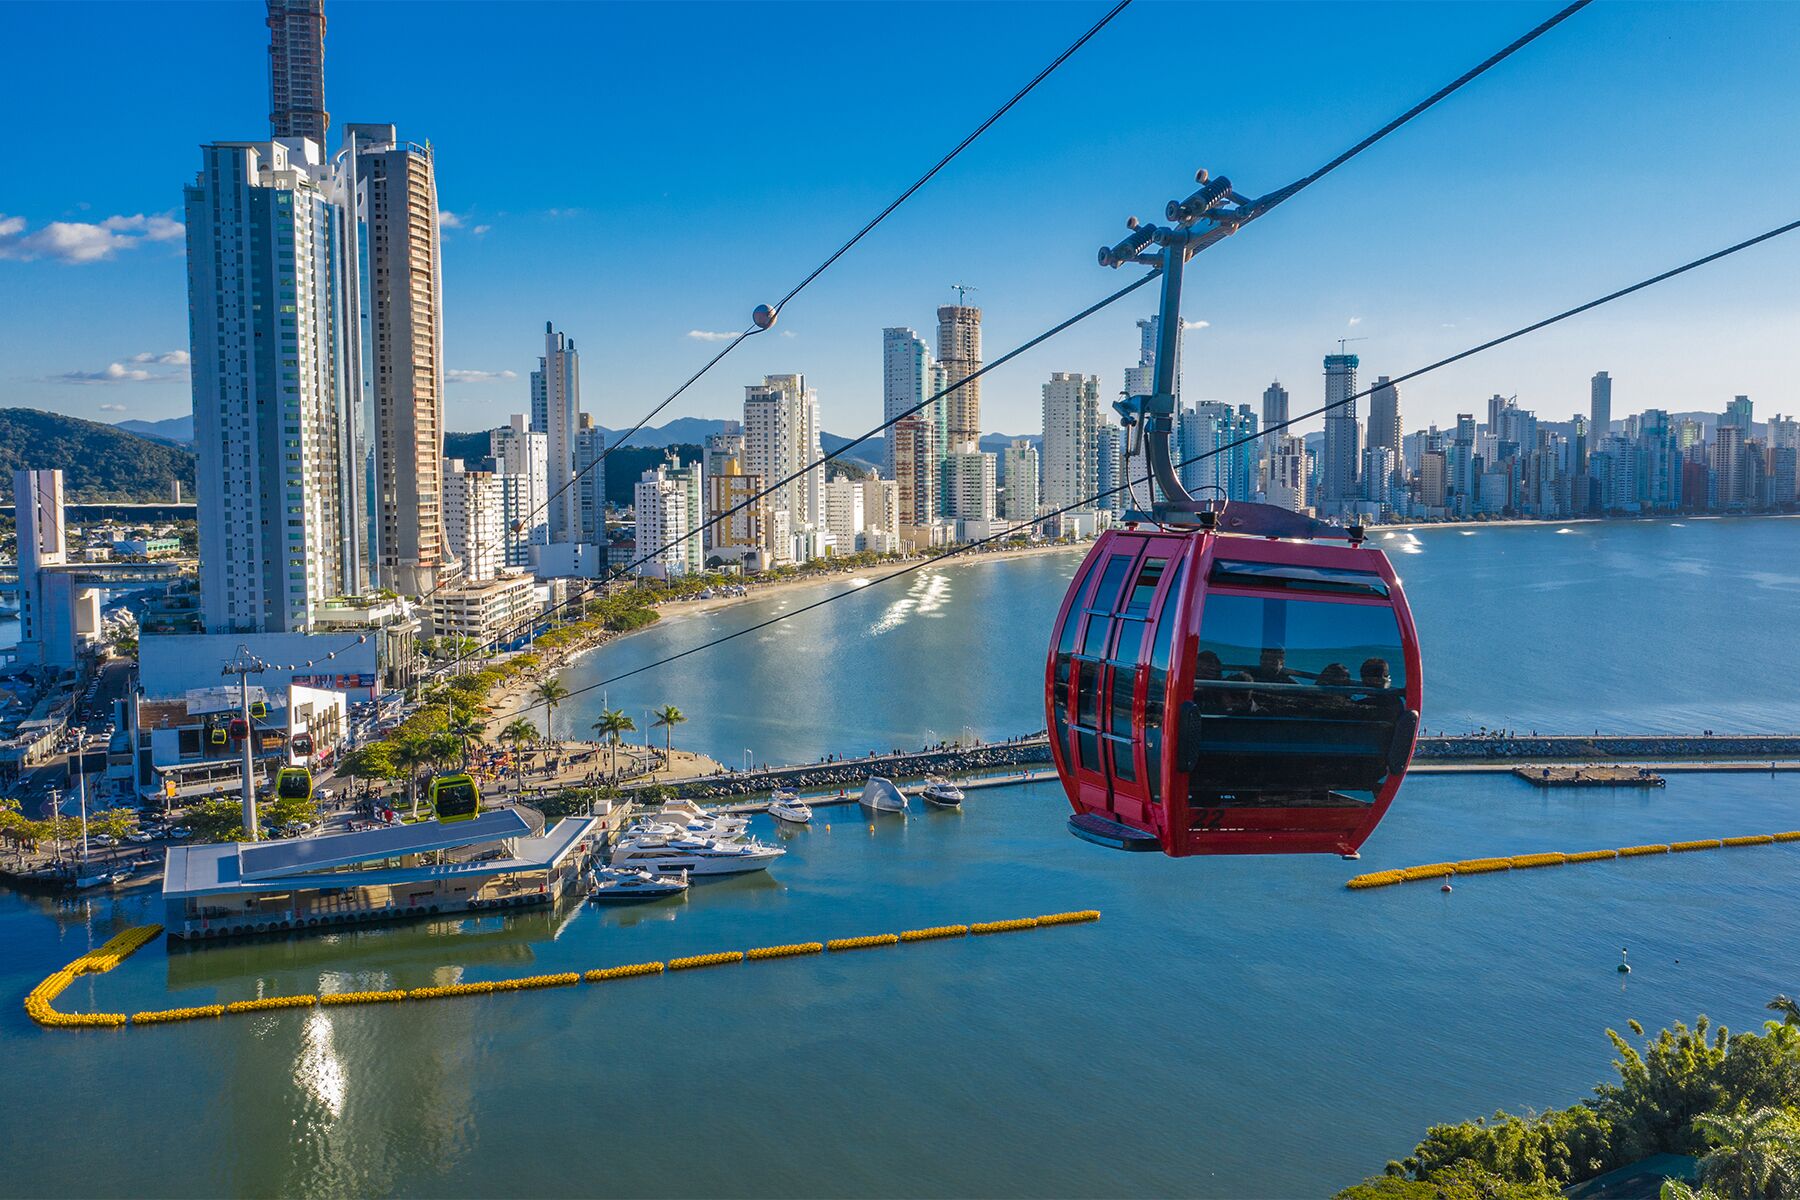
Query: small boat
<point x="882" y="796"/>
<point x="617" y="886"/>
<point x="784" y="805"/>
<point x="942" y="793"/>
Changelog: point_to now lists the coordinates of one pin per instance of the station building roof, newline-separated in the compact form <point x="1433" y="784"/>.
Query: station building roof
<point x="323" y="861"/>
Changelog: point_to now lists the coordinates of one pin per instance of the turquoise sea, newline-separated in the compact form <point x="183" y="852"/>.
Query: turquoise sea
<point x="1233" y="1027"/>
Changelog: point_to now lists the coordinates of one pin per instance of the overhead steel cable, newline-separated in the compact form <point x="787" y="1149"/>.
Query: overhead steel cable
<point x="766" y="315"/>
<point x="1088" y="502"/>
<point x="759" y="323"/>
<point x="1248" y="213"/>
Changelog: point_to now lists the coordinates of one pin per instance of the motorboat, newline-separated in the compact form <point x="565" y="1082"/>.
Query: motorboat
<point x="694" y="855"/>
<point x="881" y="795"/>
<point x="784" y="805"/>
<point x="724" y="828"/>
<point x="942" y="792"/>
<point x="688" y="816"/>
<point x="616" y="885"/>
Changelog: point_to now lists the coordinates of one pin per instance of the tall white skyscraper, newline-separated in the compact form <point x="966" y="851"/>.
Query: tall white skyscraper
<point x="520" y="463"/>
<point x="1286" y="484"/>
<point x="969" y="481"/>
<point x="1216" y="431"/>
<point x="781" y="435"/>
<point x="388" y="190"/>
<point x="558" y="380"/>
<point x="1140" y="378"/>
<point x="1109" y="469"/>
<point x="590" y="479"/>
<point x="905" y="381"/>
<point x="1274" y="413"/>
<point x="474" y="519"/>
<point x="1071" y="438"/>
<point x="1338" y="468"/>
<point x="1021" y="499"/>
<point x="267" y="336"/>
<point x="1384" y="418"/>
<point x="669" y="501"/>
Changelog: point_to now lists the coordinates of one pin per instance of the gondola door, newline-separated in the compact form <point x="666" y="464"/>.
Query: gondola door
<point x="1107" y="679"/>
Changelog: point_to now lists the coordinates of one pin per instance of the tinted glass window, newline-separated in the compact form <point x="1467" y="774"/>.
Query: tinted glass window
<point x="1124" y="683"/>
<point x="1066" y="642"/>
<point x="1144" y="590"/>
<point x="1292" y="578"/>
<point x="1131" y="638"/>
<point x="1093" y="642"/>
<point x="1087" y="687"/>
<point x="1108" y="592"/>
<point x="1310" y="642"/>
<point x="1124" y="769"/>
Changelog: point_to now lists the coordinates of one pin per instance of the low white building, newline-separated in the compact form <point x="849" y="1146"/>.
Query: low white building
<point x="495" y="612"/>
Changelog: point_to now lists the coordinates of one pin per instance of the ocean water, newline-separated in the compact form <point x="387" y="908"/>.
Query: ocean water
<point x="1672" y="626"/>
<point x="1231" y="1027"/>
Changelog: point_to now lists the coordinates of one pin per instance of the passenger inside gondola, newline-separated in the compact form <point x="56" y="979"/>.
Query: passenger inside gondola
<point x="1281" y="720"/>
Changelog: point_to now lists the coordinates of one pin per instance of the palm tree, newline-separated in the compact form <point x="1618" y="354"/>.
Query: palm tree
<point x="667" y="718"/>
<point x="1790" y="1012"/>
<point x="464" y="727"/>
<point x="549" y="693"/>
<point x="520" y="733"/>
<point x="612" y="725"/>
<point x="409" y="754"/>
<point x="1755" y="1153"/>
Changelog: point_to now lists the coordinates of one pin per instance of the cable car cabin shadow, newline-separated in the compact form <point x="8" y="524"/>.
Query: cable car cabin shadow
<point x="1215" y="693"/>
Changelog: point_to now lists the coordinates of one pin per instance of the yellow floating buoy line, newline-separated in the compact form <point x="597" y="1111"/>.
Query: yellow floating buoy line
<point x="38" y="1003"/>
<point x="1482" y="866"/>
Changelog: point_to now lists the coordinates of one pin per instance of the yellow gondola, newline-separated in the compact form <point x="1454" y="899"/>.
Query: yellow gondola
<point x="293" y="783"/>
<point x="217" y="736"/>
<point x="259" y="709"/>
<point x="455" y="796"/>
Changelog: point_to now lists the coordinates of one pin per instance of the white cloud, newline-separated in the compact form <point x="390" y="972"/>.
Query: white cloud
<point x="113" y="408"/>
<point x="789" y="333"/>
<point x="168" y="358"/>
<point x="1354" y="322"/>
<point x="153" y="229"/>
<point x="481" y="229"/>
<point x="448" y="219"/>
<point x="709" y="335"/>
<point x="1196" y="324"/>
<point x="454" y="375"/>
<point x="114" y="373"/>
<point x="80" y="242"/>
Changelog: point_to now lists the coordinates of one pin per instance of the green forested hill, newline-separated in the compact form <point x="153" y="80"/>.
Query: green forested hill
<point x="99" y="462"/>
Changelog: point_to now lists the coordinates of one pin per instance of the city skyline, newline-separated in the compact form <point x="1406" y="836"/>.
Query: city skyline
<point x="1718" y="334"/>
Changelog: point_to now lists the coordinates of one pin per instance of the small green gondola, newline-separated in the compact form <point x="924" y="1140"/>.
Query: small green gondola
<point x="455" y="797"/>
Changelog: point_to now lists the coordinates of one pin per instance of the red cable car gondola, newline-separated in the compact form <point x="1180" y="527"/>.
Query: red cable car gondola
<point x="1222" y="691"/>
<point x="1222" y="679"/>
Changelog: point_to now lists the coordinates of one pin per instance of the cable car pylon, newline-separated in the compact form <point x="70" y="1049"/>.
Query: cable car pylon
<point x="1222" y="679"/>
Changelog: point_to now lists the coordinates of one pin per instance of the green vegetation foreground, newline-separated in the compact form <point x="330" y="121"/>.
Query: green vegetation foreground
<point x="1731" y="1101"/>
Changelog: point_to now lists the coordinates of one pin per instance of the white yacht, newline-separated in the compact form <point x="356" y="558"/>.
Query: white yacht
<point x="882" y="796"/>
<point x="785" y="805"/>
<point x="691" y="818"/>
<point x="696" y="855"/>
<point x="942" y="792"/>
<point x="613" y="885"/>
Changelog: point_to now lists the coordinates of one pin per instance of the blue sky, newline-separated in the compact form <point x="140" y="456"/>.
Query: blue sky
<point x="642" y="173"/>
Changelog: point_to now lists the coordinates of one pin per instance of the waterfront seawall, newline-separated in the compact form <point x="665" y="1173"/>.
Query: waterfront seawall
<point x="1034" y="751"/>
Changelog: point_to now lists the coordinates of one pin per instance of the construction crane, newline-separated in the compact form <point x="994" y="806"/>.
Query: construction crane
<point x="1342" y="342"/>
<point x="961" y="290"/>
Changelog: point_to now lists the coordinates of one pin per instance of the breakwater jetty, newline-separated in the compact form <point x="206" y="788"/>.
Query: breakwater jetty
<point x="1467" y="752"/>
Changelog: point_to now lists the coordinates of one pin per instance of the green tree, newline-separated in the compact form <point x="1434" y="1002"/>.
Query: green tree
<point x="465" y="728"/>
<point x="1790" y="1012"/>
<point x="667" y="718"/>
<point x="113" y="822"/>
<point x="220" y="819"/>
<point x="408" y="756"/>
<point x="371" y="763"/>
<point x="613" y="725"/>
<point x="1661" y="1090"/>
<point x="549" y="693"/>
<point x="1755" y="1154"/>
<point x="519" y="733"/>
